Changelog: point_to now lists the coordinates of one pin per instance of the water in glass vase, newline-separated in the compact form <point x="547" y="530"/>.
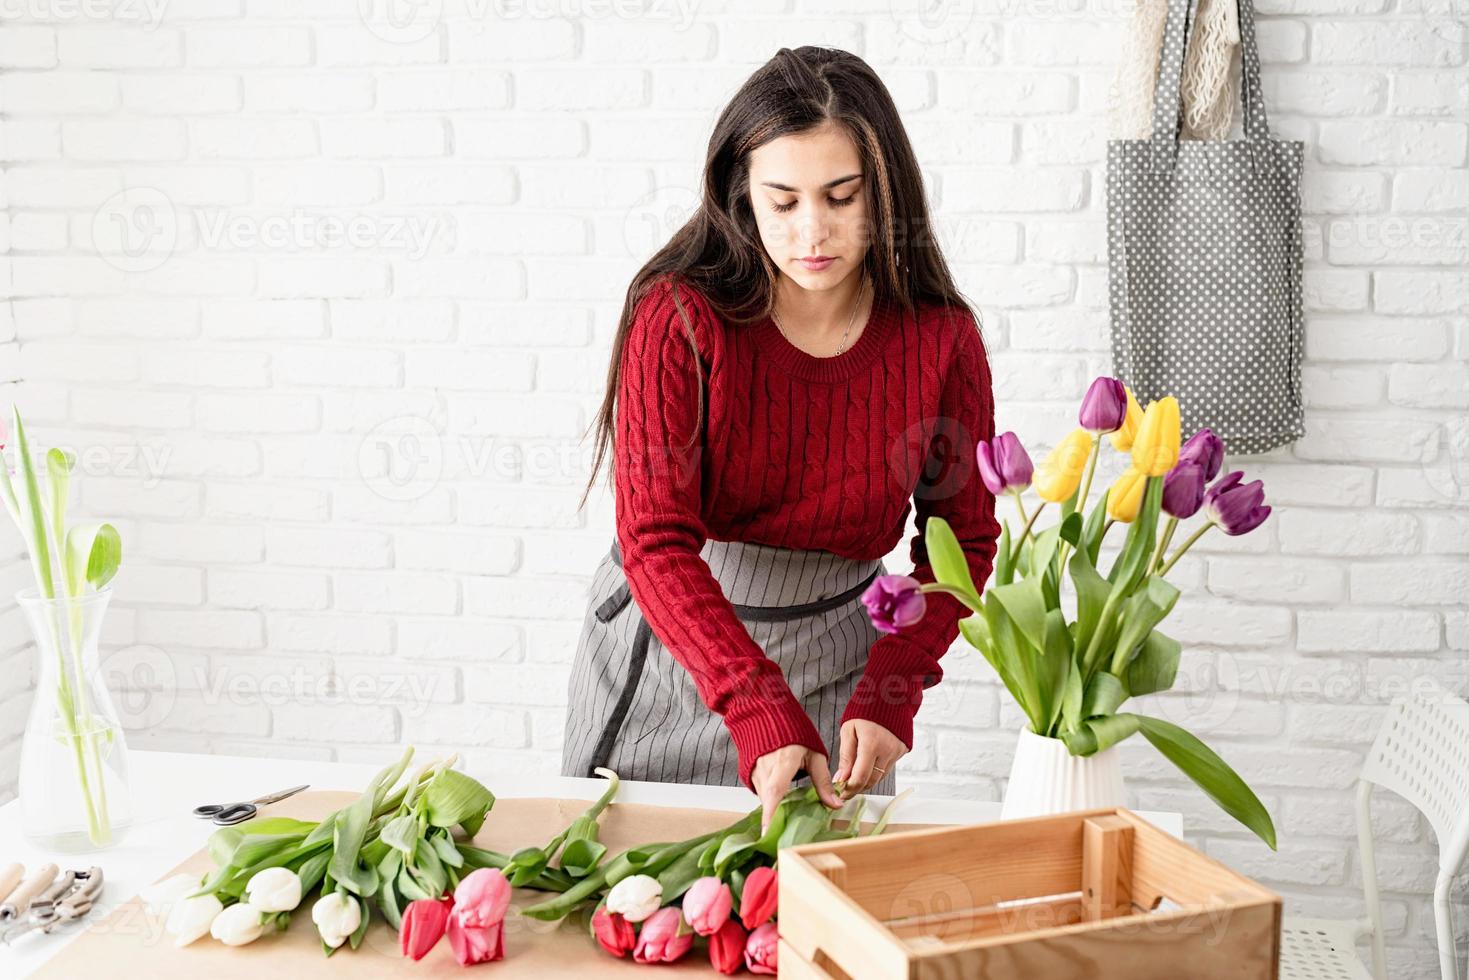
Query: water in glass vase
<point x="74" y="793"/>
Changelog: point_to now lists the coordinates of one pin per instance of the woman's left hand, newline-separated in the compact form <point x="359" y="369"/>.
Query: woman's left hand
<point x="866" y="748"/>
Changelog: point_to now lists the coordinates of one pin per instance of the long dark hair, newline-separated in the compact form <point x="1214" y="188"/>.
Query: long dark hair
<point x="718" y="251"/>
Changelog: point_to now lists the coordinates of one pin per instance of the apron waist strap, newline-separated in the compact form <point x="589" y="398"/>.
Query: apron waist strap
<point x="760" y="614"/>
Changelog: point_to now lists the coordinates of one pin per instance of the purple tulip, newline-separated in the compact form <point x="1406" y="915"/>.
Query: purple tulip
<point x="1104" y="408"/>
<point x="1237" y="508"/>
<point x="1206" y="449"/>
<point x="1183" y="490"/>
<point x="893" y="602"/>
<point x="1004" y="464"/>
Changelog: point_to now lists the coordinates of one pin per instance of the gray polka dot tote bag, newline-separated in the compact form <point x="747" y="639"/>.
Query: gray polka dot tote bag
<point x="1204" y="261"/>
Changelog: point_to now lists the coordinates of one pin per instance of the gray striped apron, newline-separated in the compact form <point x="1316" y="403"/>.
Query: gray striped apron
<point x="634" y="709"/>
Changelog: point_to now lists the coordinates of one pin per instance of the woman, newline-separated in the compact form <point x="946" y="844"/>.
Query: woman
<point x="790" y="369"/>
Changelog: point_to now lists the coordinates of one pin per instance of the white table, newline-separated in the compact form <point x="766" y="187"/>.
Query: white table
<point x="168" y="785"/>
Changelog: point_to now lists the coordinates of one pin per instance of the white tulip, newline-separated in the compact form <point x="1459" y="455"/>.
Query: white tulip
<point x="191" y="918"/>
<point x="635" y="897"/>
<point x="274" y="890"/>
<point x="337" y="916"/>
<point x="161" y="896"/>
<point x="237" y="925"/>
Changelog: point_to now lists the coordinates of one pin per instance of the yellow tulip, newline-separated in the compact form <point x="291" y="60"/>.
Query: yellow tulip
<point x="1060" y="472"/>
<point x="1126" y="495"/>
<point x="1122" y="438"/>
<point x="1155" y="448"/>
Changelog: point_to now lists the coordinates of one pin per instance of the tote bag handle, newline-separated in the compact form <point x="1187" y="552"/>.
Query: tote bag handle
<point x="1168" y="94"/>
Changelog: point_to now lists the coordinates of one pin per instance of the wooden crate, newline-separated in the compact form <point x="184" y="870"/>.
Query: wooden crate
<point x="1090" y="895"/>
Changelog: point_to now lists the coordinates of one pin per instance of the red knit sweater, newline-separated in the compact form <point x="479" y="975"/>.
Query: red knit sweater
<point x="796" y="451"/>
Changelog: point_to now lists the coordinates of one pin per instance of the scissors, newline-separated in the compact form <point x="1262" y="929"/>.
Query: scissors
<point x="229" y="814"/>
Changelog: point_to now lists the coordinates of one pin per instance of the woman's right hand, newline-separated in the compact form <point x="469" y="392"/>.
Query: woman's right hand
<point x="775" y="770"/>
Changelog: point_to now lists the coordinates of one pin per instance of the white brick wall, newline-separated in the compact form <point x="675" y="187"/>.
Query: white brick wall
<point x="326" y="306"/>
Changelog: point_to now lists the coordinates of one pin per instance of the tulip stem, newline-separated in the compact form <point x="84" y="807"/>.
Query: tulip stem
<point x="1019" y="504"/>
<point x="1091" y="467"/>
<point x="1025" y="532"/>
<point x="1184" y="547"/>
<point x="1163" y="543"/>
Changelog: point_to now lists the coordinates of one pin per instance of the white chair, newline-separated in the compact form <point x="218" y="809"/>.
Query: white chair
<point x="1421" y="754"/>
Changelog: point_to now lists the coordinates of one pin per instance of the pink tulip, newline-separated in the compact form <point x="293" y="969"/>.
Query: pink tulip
<point x="727" y="948"/>
<point x="424" y="922"/>
<point x="614" y="933"/>
<point x="759" y="897"/>
<point x="707" y="904"/>
<point x="662" y="939"/>
<point x="477" y="922"/>
<point x="1004" y="465"/>
<point x="760" y="949"/>
<point x="1104" y="408"/>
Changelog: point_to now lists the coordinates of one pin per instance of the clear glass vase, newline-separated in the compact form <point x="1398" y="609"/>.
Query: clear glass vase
<point x="74" y="793"/>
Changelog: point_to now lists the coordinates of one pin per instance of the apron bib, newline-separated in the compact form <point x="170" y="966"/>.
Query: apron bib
<point x="634" y="709"/>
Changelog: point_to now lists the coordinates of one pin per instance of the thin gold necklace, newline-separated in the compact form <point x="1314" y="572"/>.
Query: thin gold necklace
<point x="862" y="288"/>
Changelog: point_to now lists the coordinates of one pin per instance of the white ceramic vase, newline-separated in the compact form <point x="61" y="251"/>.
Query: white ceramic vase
<point x="1045" y="778"/>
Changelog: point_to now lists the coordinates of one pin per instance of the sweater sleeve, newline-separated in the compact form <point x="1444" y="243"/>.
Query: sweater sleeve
<point x="900" y="666"/>
<point x="661" y="533"/>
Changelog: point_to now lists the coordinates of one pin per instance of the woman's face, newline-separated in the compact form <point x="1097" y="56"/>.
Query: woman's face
<point x="809" y="198"/>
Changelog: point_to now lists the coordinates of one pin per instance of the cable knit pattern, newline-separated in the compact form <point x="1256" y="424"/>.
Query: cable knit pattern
<point x="796" y="451"/>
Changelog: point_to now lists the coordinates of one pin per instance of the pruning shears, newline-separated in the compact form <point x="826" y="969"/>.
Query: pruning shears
<point x="67" y="899"/>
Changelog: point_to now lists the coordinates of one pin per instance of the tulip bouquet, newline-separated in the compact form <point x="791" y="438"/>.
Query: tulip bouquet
<point x="390" y="848"/>
<point x="395" y="849"/>
<point x="724" y="884"/>
<point x="1071" y="666"/>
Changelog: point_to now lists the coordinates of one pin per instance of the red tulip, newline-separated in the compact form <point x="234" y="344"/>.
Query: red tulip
<point x="424" y="922"/>
<point x="727" y="948"/>
<point x="760" y="949"/>
<point x="662" y="939"/>
<point x="614" y="933"/>
<point x="477" y="922"/>
<point x="759" y="897"/>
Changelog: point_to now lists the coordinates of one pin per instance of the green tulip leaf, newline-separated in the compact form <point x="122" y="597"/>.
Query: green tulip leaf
<point x="1072" y="698"/>
<point x="1104" y="695"/>
<point x="1004" y="571"/>
<point x="1057" y="665"/>
<point x="1145" y="609"/>
<point x="1212" y="774"/>
<point x="1044" y="550"/>
<point x="1091" y="595"/>
<point x="33" y="510"/>
<point x="1103" y="732"/>
<point x="1024" y="603"/>
<point x="454" y="799"/>
<point x="93" y="555"/>
<point x="1155" y="666"/>
<point x="946" y="558"/>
